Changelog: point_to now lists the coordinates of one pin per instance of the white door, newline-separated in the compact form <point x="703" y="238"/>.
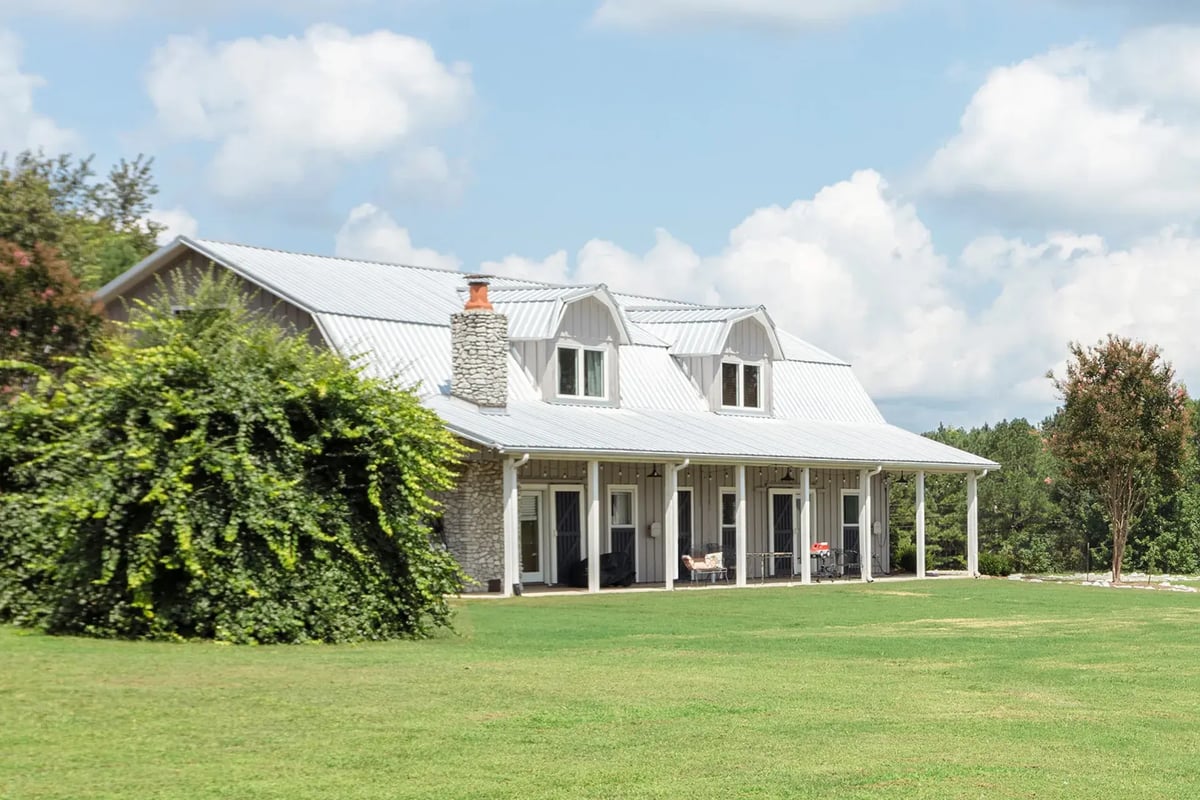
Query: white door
<point x="534" y="550"/>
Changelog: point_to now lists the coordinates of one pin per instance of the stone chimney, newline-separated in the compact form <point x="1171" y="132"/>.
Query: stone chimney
<point x="479" y="340"/>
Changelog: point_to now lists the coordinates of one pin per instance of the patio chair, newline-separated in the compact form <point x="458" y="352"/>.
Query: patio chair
<point x="711" y="566"/>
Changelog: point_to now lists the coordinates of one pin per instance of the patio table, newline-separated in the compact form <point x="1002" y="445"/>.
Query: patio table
<point x="765" y="560"/>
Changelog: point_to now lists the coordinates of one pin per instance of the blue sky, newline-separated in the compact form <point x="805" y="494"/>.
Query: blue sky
<point x="944" y="192"/>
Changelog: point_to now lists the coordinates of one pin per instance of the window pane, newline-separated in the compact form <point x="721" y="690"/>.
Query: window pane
<point x="621" y="512"/>
<point x="593" y="373"/>
<point x="685" y="513"/>
<point x="728" y="509"/>
<point x="729" y="384"/>
<point x="750" y="386"/>
<point x="850" y="509"/>
<point x="568" y="380"/>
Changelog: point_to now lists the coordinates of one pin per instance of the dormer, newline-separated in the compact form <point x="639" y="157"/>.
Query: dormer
<point x="727" y="352"/>
<point x="567" y="340"/>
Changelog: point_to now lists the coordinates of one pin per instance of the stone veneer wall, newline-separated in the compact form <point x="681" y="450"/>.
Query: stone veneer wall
<point x="479" y="361"/>
<point x="473" y="520"/>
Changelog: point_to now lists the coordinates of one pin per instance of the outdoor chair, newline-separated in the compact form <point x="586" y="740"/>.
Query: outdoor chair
<point x="711" y="566"/>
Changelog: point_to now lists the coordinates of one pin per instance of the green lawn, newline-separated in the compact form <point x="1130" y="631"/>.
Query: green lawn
<point x="934" y="689"/>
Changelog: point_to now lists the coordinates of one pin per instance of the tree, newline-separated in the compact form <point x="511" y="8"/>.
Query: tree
<point x="45" y="313"/>
<point x="207" y="475"/>
<point x="100" y="227"/>
<point x="1123" y="430"/>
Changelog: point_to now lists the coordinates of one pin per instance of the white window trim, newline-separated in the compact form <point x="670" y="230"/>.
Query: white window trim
<point x="721" y="526"/>
<point x="741" y="384"/>
<point x="842" y="516"/>
<point x="633" y="490"/>
<point x="580" y="377"/>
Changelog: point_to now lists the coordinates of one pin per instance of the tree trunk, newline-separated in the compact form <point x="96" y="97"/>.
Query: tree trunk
<point x="1120" y="534"/>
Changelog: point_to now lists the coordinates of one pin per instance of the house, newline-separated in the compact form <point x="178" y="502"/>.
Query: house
<point x="605" y="422"/>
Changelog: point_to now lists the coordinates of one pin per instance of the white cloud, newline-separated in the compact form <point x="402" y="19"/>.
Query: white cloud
<point x="855" y="270"/>
<point x="370" y="233"/>
<point x="792" y="14"/>
<point x="177" y="220"/>
<point x="292" y="113"/>
<point x="1084" y="134"/>
<point x="22" y="127"/>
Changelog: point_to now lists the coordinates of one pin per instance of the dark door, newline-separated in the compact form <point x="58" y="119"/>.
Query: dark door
<point x="568" y="530"/>
<point x="783" y="519"/>
<point x="686" y="543"/>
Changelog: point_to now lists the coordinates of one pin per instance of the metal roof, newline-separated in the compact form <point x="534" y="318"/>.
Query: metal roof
<point x="700" y="330"/>
<point x="396" y="318"/>
<point x="825" y="392"/>
<point x="544" y="428"/>
<point x="651" y="378"/>
<point x="415" y="355"/>
<point x="796" y="349"/>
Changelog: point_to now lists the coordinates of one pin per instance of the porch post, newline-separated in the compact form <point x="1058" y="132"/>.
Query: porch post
<point x="593" y="526"/>
<point x="921" y="524"/>
<point x="740" y="537"/>
<point x="511" y="574"/>
<point x="864" y="525"/>
<point x="805" y="530"/>
<point x="973" y="524"/>
<point x="670" y="526"/>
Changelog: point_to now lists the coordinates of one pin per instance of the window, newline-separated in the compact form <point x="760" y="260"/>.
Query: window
<point x="729" y="523"/>
<point x="576" y="366"/>
<point x="621" y="525"/>
<point x="740" y="385"/>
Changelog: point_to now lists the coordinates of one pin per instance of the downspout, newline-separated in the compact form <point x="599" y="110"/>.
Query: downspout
<point x="511" y="528"/>
<point x="683" y="466"/>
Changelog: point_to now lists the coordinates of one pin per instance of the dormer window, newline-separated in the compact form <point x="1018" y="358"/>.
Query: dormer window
<point x="581" y="372"/>
<point x="740" y="385"/>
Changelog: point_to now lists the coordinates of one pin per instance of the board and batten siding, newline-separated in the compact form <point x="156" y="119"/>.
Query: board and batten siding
<point x="587" y="323"/>
<point x="707" y="482"/>
<point x="188" y="268"/>
<point x="747" y="341"/>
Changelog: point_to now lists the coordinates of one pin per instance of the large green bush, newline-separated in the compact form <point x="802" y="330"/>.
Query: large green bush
<point x="206" y="475"/>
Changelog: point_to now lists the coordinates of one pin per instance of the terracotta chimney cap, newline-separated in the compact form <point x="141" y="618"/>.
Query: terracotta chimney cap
<point x="478" y="300"/>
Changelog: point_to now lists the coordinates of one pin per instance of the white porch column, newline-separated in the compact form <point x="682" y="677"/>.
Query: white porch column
<point x="670" y="526"/>
<point x="593" y="526"/>
<point x="864" y="524"/>
<point x="740" y="537"/>
<point x="512" y="563"/>
<point x="805" y="529"/>
<point x="921" y="524"/>
<point x="973" y="523"/>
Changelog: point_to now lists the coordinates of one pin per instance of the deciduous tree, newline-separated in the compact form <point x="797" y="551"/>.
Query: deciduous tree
<point x="100" y="227"/>
<point x="1122" y="431"/>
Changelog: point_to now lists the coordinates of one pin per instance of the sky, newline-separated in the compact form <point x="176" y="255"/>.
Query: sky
<point x="946" y="193"/>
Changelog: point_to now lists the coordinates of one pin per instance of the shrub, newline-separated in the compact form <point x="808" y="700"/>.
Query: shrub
<point x="995" y="564"/>
<point x="209" y="476"/>
<point x="906" y="558"/>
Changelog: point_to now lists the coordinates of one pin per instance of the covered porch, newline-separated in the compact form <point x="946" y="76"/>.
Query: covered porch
<point x="562" y="514"/>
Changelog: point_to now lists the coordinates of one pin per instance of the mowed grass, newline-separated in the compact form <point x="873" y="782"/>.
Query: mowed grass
<point x="938" y="689"/>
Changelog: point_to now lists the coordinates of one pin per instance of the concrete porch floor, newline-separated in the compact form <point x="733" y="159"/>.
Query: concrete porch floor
<point x="537" y="590"/>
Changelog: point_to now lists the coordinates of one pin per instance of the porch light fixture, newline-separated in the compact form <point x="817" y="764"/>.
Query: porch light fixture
<point x="654" y="473"/>
<point x="788" y="477"/>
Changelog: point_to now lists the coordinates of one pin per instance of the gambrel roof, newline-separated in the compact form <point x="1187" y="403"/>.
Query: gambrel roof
<point x="396" y="319"/>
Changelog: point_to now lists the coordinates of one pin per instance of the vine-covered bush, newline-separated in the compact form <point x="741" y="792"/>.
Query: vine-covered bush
<point x="206" y="475"/>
